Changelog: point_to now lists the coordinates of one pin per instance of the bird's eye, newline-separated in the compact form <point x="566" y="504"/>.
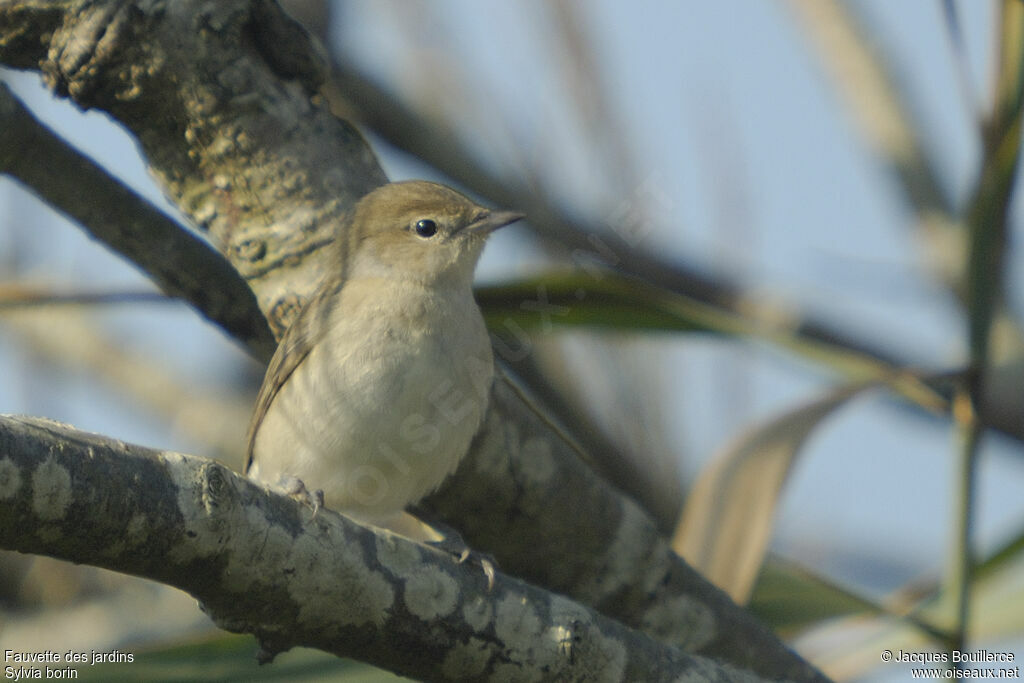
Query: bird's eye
<point x="426" y="228"/>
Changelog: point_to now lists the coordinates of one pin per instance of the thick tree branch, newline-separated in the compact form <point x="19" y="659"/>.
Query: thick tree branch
<point x="181" y="264"/>
<point x="224" y="110"/>
<point x="219" y="97"/>
<point x="551" y="520"/>
<point x="261" y="563"/>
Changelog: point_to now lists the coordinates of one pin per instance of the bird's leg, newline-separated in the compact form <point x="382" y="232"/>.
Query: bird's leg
<point x="293" y="487"/>
<point x="450" y="541"/>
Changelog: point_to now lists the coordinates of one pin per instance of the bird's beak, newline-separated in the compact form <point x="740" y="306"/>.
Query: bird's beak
<point x="493" y="220"/>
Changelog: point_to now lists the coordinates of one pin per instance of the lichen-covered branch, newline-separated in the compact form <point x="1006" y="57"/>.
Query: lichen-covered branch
<point x="221" y="96"/>
<point x="178" y="261"/>
<point x="264" y="564"/>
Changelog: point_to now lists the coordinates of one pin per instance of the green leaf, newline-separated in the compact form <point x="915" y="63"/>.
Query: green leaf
<point x="789" y="598"/>
<point x="611" y="301"/>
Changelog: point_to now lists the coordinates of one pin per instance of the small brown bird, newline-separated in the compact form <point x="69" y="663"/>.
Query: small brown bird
<point x="378" y="387"/>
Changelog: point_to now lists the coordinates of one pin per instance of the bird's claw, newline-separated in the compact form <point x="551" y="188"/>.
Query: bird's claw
<point x="454" y="545"/>
<point x="293" y="487"/>
<point x="485" y="561"/>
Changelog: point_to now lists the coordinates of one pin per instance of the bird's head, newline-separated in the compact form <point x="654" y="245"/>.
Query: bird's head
<point x="421" y="231"/>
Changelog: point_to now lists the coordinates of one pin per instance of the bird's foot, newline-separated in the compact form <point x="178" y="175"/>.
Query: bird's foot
<point x="462" y="553"/>
<point x="451" y="542"/>
<point x="485" y="561"/>
<point x="293" y="487"/>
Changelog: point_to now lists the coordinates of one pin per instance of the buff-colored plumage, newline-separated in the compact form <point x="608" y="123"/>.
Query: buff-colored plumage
<point x="377" y="389"/>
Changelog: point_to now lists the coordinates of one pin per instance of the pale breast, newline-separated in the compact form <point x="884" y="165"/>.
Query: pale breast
<point x="385" y="406"/>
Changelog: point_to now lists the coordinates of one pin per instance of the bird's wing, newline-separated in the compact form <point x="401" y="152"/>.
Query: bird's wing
<point x="295" y="345"/>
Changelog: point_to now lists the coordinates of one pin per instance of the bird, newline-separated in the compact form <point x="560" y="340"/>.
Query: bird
<point x="377" y="388"/>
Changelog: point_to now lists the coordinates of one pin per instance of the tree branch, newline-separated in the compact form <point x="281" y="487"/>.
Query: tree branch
<point x="181" y="264"/>
<point x="193" y="524"/>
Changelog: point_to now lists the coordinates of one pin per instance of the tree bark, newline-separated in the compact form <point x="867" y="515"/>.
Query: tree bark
<point x="222" y="99"/>
<point x="265" y="564"/>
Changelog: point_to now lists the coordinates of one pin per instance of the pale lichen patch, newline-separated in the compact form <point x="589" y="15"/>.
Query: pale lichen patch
<point x="430" y="593"/>
<point x="565" y="611"/>
<point x="466" y="660"/>
<point x="271" y="548"/>
<point x="396" y="554"/>
<point x="628" y="549"/>
<point x="605" y="656"/>
<point x="573" y="641"/>
<point x="350" y="593"/>
<point x="10" y="478"/>
<point x="478" y="613"/>
<point x="516" y="622"/>
<point x="682" y="620"/>
<point x="183" y="478"/>
<point x="188" y="488"/>
<point x="207" y="502"/>
<point x="51" y="490"/>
